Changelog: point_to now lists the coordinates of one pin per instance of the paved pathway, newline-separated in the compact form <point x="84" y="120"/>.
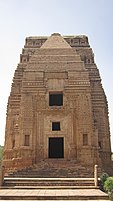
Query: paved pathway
<point x="52" y="192"/>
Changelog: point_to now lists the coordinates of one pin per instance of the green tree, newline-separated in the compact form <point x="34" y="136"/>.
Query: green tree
<point x="1" y="152"/>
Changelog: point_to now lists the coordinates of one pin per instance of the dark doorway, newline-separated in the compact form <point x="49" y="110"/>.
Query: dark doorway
<point x="56" y="147"/>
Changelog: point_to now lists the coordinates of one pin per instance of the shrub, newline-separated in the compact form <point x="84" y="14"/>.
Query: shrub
<point x="108" y="187"/>
<point x="103" y="178"/>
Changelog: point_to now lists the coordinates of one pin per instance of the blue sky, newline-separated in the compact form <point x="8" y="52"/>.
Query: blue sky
<point x="22" y="18"/>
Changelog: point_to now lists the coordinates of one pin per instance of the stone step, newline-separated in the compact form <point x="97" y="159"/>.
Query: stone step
<point x="52" y="175"/>
<point x="49" y="187"/>
<point x="54" y="168"/>
<point x="48" y="181"/>
<point x="60" y="200"/>
<point x="70" y="194"/>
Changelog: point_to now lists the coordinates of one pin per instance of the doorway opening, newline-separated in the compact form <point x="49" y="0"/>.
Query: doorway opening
<point x="56" y="147"/>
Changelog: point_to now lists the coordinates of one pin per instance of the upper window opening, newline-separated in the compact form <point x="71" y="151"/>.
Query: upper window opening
<point x="26" y="140"/>
<point x="13" y="144"/>
<point x="85" y="139"/>
<point x="55" y="99"/>
<point x="55" y="126"/>
<point x="100" y="144"/>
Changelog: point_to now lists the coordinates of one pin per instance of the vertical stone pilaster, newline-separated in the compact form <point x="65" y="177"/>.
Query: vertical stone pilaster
<point x="96" y="175"/>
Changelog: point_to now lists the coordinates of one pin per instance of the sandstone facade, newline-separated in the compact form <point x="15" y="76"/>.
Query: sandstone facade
<point x="57" y="107"/>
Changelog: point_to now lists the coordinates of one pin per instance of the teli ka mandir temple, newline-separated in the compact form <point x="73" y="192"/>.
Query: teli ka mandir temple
<point x="57" y="109"/>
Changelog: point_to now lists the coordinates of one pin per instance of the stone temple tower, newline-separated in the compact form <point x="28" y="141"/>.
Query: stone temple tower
<point x="57" y="108"/>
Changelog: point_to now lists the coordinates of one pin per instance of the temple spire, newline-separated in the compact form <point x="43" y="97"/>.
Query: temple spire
<point x="55" y="41"/>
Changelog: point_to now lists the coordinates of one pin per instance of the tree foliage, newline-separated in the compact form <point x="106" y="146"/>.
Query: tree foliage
<point x="108" y="187"/>
<point x="103" y="178"/>
<point x="1" y="152"/>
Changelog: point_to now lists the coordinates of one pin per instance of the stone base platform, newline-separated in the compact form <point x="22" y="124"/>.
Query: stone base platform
<point x="52" y="194"/>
